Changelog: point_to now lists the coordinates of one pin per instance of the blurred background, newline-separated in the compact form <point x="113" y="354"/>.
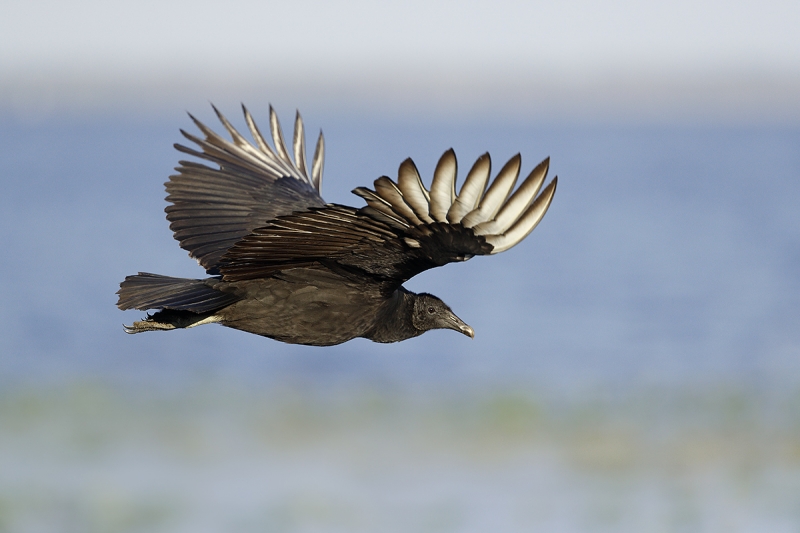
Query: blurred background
<point x="636" y="365"/>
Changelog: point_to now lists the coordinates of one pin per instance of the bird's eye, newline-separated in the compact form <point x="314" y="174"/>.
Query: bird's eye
<point x="431" y="310"/>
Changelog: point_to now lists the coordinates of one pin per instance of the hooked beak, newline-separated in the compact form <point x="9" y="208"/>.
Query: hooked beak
<point x="459" y="325"/>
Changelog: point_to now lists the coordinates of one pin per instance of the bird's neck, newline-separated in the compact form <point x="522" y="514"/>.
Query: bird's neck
<point x="393" y="322"/>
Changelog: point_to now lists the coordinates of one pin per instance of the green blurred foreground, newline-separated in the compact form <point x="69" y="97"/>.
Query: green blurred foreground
<point x="217" y="457"/>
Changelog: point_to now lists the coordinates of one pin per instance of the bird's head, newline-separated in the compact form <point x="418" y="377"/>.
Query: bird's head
<point x="432" y="313"/>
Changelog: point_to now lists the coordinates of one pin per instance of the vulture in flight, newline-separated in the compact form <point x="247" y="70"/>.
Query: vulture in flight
<point x="285" y="264"/>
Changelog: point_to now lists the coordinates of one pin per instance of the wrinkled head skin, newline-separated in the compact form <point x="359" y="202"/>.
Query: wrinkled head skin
<point x="432" y="313"/>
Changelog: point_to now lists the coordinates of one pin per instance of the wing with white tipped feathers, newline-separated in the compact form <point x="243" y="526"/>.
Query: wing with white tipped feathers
<point x="405" y="228"/>
<point x="501" y="217"/>
<point x="213" y="208"/>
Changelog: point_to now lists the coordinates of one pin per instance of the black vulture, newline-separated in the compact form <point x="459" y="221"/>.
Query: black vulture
<point x="286" y="265"/>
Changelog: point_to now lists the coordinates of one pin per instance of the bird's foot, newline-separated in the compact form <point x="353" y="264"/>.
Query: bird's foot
<point x="147" y="324"/>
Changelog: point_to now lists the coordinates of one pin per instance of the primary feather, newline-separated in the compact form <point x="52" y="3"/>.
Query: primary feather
<point x="286" y="265"/>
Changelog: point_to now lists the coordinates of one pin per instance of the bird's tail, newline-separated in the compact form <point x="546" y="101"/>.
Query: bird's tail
<point x="183" y="303"/>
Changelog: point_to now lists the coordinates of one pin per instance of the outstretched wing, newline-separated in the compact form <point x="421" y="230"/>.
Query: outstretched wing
<point x="213" y="208"/>
<point x="405" y="228"/>
<point x="500" y="217"/>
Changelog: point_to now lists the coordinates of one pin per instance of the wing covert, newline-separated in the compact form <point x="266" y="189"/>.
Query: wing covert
<point x="351" y="240"/>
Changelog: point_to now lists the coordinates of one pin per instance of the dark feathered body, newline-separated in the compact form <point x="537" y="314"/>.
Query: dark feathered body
<point x="288" y="266"/>
<point x="308" y="306"/>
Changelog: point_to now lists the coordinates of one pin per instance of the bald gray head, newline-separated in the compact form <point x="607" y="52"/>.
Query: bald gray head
<point x="432" y="313"/>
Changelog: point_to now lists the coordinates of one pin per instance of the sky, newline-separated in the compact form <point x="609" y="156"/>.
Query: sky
<point x="673" y="126"/>
<point x="90" y="80"/>
<point x="636" y="362"/>
<point x="577" y="59"/>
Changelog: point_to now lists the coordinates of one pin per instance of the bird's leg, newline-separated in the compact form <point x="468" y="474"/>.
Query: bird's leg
<point x="147" y="325"/>
<point x="169" y="319"/>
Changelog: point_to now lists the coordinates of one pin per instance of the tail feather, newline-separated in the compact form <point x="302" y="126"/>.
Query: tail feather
<point x="152" y="291"/>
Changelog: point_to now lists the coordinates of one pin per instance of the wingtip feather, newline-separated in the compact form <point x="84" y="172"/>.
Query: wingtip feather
<point x="317" y="163"/>
<point x="526" y="223"/>
<point x="472" y="190"/>
<point x="443" y="186"/>
<point x="497" y="194"/>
